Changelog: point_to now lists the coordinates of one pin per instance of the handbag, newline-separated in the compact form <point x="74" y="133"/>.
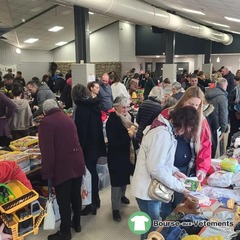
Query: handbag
<point x="49" y="220"/>
<point x="158" y="191"/>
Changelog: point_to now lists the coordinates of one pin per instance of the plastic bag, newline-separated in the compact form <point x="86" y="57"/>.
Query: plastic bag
<point x="220" y="179"/>
<point x="86" y="188"/>
<point x="49" y="220"/>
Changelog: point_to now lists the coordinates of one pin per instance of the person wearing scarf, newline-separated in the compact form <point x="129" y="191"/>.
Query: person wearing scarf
<point x="121" y="155"/>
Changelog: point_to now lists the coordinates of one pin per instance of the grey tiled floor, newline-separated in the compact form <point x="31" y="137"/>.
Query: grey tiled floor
<point x="101" y="226"/>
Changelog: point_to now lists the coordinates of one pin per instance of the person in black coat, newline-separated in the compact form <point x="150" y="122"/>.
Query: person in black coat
<point x="120" y="131"/>
<point x="148" y="111"/>
<point x="90" y="134"/>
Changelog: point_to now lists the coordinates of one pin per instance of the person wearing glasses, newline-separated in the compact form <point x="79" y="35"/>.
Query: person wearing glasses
<point x="120" y="133"/>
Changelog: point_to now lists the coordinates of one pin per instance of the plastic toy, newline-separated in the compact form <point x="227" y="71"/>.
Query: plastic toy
<point x="23" y="214"/>
<point x="5" y="194"/>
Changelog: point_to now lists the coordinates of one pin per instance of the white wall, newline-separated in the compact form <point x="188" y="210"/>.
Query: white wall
<point x="65" y="53"/>
<point x="230" y="61"/>
<point x="31" y="62"/>
<point x="104" y="44"/>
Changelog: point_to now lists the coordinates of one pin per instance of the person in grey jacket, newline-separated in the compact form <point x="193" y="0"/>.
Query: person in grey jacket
<point x="218" y="98"/>
<point x="42" y="92"/>
<point x="22" y="116"/>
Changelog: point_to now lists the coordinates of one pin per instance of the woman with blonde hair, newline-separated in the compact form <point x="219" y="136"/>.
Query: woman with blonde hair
<point x="191" y="157"/>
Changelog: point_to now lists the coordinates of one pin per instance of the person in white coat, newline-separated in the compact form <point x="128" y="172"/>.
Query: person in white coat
<point x="156" y="158"/>
<point x="119" y="89"/>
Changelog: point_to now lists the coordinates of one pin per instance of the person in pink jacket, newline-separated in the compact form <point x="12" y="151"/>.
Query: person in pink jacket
<point x="191" y="158"/>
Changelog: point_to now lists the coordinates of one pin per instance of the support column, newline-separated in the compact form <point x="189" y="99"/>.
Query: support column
<point x="82" y="41"/>
<point x="170" y="47"/>
<point x="207" y="66"/>
<point x="208" y="52"/>
<point x="170" y="69"/>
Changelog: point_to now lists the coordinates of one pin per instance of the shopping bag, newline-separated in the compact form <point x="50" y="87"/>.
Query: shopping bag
<point x="49" y="220"/>
<point x="86" y="188"/>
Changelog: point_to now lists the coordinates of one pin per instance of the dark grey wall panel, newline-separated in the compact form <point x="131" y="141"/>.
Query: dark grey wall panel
<point x="149" y="43"/>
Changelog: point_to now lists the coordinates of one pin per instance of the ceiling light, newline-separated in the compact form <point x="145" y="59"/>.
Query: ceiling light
<point x="232" y="19"/>
<point x="55" y="29"/>
<point x="218" y="59"/>
<point x="31" y="40"/>
<point x="60" y="43"/>
<point x="193" y="11"/>
<point x="18" y="50"/>
<point x="176" y="56"/>
<point x="157" y="56"/>
<point x="91" y="13"/>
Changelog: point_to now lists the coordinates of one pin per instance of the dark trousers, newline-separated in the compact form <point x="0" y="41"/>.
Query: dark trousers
<point x="91" y="159"/>
<point x="69" y="197"/>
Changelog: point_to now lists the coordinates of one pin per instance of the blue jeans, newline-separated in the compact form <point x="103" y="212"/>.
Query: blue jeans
<point x="167" y="208"/>
<point x="152" y="208"/>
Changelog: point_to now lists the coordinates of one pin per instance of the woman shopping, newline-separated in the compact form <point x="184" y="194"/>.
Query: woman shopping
<point x="156" y="158"/>
<point x="120" y="133"/>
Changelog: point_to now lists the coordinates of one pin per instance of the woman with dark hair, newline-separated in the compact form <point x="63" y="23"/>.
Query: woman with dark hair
<point x="156" y="157"/>
<point x="193" y="156"/>
<point x="94" y="88"/>
<point x="90" y="134"/>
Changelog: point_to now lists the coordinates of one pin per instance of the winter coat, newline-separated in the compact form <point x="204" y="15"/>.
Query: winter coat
<point x="62" y="156"/>
<point x="120" y="167"/>
<point x="66" y="94"/>
<point x="89" y="127"/>
<point x="203" y="157"/>
<point x="22" y="116"/>
<point x="218" y="98"/>
<point x="43" y="94"/>
<point x="7" y="108"/>
<point x="149" y="84"/>
<point x="230" y="78"/>
<point x="147" y="112"/>
<point x="155" y="159"/>
<point x="178" y="95"/>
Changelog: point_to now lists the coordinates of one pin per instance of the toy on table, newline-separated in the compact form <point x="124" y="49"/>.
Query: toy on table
<point x="6" y="194"/>
<point x="230" y="164"/>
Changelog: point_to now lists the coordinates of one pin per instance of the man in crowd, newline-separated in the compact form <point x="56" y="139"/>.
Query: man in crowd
<point x="19" y="79"/>
<point x="105" y="93"/>
<point x="42" y="92"/>
<point x="230" y="78"/>
<point x="218" y="98"/>
<point x="7" y="88"/>
<point x="194" y="82"/>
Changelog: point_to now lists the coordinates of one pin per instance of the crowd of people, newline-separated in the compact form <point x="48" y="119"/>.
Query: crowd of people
<point x="176" y="131"/>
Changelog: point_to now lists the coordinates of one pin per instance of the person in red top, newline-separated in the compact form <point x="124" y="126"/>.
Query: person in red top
<point x="192" y="158"/>
<point x="10" y="170"/>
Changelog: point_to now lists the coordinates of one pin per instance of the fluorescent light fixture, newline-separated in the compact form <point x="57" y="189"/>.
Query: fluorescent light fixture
<point x="232" y="19"/>
<point x="60" y="43"/>
<point x="176" y="56"/>
<point x="91" y="13"/>
<point x="18" y="50"/>
<point x="218" y="59"/>
<point x="55" y="29"/>
<point x="193" y="11"/>
<point x="157" y="56"/>
<point x="31" y="40"/>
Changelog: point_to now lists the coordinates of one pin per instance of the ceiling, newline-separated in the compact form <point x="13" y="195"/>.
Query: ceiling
<point x="24" y="19"/>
